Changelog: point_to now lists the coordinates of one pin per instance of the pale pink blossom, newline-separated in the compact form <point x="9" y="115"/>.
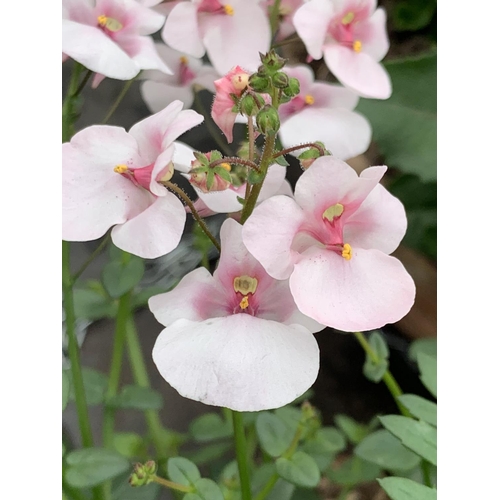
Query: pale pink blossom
<point x="111" y="178"/>
<point x="160" y="89"/>
<point x="333" y="242"/>
<point x="230" y="31"/>
<point x="323" y="112"/>
<point x="351" y="35"/>
<point x="108" y="37"/>
<point x="235" y="339"/>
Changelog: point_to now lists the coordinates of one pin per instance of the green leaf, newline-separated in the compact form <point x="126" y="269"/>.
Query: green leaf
<point x="182" y="471"/>
<point x="91" y="466"/>
<point x="404" y="126"/>
<point x="418" y="436"/>
<point x="399" y="488"/>
<point x="123" y="491"/>
<point x="291" y="416"/>
<point x="136" y="397"/>
<point x="209" y="427"/>
<point x="428" y="371"/>
<point x="354" y="471"/>
<point x="300" y="469"/>
<point x="210" y="453"/>
<point x="355" y="432"/>
<point x="323" y="447"/>
<point x="280" y="160"/>
<point x="427" y="346"/>
<point x="206" y="489"/>
<point x="215" y="155"/>
<point x="420" y="408"/>
<point x="93" y="304"/>
<point x="274" y="435"/>
<point x="119" y="278"/>
<point x="386" y="451"/>
<point x="95" y="385"/>
<point x="282" y="490"/>
<point x="129" y="444"/>
<point x="223" y="173"/>
<point x="300" y="494"/>
<point x="375" y="371"/>
<point x="412" y="15"/>
<point x="65" y="388"/>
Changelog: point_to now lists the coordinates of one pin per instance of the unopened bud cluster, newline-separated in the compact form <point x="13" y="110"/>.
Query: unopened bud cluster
<point x="208" y="178"/>
<point x="143" y="473"/>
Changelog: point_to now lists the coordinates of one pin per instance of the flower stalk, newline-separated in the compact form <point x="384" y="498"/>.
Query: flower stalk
<point x="241" y="455"/>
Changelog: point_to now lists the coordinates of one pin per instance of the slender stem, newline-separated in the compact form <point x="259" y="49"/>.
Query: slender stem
<point x="116" y="367"/>
<point x="177" y="190"/>
<point x="84" y="82"/>
<point x="251" y="152"/>
<point x="300" y="146"/>
<point x="235" y="160"/>
<point x="74" y="354"/>
<point x="274" y="17"/>
<point x="118" y="100"/>
<point x="91" y="257"/>
<point x="171" y="484"/>
<point x="286" y="42"/>
<point x="241" y="455"/>
<point x="141" y="378"/>
<point x="68" y="108"/>
<point x="389" y="380"/>
<point x="212" y="129"/>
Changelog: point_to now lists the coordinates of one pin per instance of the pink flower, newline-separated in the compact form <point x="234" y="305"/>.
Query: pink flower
<point x="223" y="115"/>
<point x="111" y="178"/>
<point x="333" y="242"/>
<point x="159" y="89"/>
<point x="351" y="36"/>
<point x="107" y="36"/>
<point x="323" y="112"/>
<point x="231" y="31"/>
<point x="235" y="339"/>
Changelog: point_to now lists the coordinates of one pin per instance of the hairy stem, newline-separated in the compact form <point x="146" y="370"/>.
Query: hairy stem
<point x="235" y="160"/>
<point x="300" y="146"/>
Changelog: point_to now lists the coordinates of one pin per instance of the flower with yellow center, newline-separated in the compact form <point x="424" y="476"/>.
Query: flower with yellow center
<point x="109" y="23"/>
<point x="309" y="99"/>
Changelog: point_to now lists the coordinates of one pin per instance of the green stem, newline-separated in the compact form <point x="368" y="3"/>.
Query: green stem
<point x="141" y="378"/>
<point x="286" y="151"/>
<point x="212" y="129"/>
<point x="116" y="367"/>
<point x="68" y="108"/>
<point x="274" y="17"/>
<point x="388" y="379"/>
<point x="241" y="455"/>
<point x="84" y="82"/>
<point x="171" y="484"/>
<point x="119" y="99"/>
<point x="251" y="152"/>
<point x="91" y="257"/>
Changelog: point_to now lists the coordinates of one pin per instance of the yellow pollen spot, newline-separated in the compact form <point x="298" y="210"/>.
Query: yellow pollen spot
<point x="183" y="60"/>
<point x="244" y="302"/>
<point x="226" y="166"/>
<point x="357" y="46"/>
<point x="309" y="99"/>
<point x="121" y="169"/>
<point x="347" y="251"/>
<point x="228" y="10"/>
<point x="109" y="23"/>
<point x="334" y="211"/>
<point x="348" y="18"/>
<point x="245" y="284"/>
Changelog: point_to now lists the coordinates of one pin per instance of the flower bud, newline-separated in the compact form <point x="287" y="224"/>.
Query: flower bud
<point x="250" y="104"/>
<point x="267" y="119"/>
<point x="280" y="80"/>
<point x="212" y="179"/>
<point x="272" y="61"/>
<point x="293" y="87"/>
<point x="259" y="83"/>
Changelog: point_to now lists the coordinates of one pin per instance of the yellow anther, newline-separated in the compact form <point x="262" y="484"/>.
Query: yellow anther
<point x="228" y="10"/>
<point x="347" y="251"/>
<point x="334" y="211"/>
<point x="245" y="284"/>
<point x="240" y="81"/>
<point x="357" y="46"/>
<point x="348" y="18"/>
<point x="309" y="99"/>
<point x="121" y="169"/>
<point x="167" y="173"/>
<point x="226" y="166"/>
<point x="183" y="60"/>
<point x="109" y="23"/>
<point x="244" y="302"/>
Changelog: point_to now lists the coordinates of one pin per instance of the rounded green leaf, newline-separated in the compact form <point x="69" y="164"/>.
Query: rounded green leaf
<point x="418" y="436"/>
<point x="182" y="471"/>
<point x="136" y="397"/>
<point x="386" y="451"/>
<point x="129" y="444"/>
<point x="209" y="427"/>
<point x="354" y="471"/>
<point x="428" y="371"/>
<point x="92" y="466"/>
<point x="421" y="408"/>
<point x="323" y="447"/>
<point x="207" y="489"/>
<point x="119" y="278"/>
<point x="399" y="488"/>
<point x="300" y="469"/>
<point x="427" y="346"/>
<point x="355" y="432"/>
<point x="274" y="435"/>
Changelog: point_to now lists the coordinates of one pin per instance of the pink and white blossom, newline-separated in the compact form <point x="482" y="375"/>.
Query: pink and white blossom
<point x="235" y="339"/>
<point x="160" y="89"/>
<point x="351" y="35"/>
<point x="112" y="178"/>
<point x="230" y="31"/>
<point x="333" y="242"/>
<point x="323" y="112"/>
<point x="109" y="37"/>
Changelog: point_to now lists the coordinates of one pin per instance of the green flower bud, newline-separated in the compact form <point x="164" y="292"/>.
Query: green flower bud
<point x="250" y="104"/>
<point x="293" y="87"/>
<point x="150" y="467"/>
<point x="280" y="80"/>
<point x="272" y="61"/>
<point x="259" y="83"/>
<point x="268" y="121"/>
